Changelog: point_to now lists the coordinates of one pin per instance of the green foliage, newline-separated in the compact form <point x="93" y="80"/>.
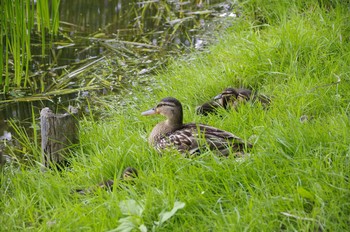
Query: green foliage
<point x="18" y="18"/>
<point x="295" y="179"/>
<point x="133" y="211"/>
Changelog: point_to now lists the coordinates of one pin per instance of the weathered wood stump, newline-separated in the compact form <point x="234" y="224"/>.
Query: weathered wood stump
<point x="59" y="132"/>
<point x="2" y="158"/>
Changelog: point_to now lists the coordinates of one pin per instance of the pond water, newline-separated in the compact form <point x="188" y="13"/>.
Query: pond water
<point x="105" y="44"/>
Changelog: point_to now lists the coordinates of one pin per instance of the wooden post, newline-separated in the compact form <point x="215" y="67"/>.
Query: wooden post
<point x="58" y="133"/>
<point x="2" y="158"/>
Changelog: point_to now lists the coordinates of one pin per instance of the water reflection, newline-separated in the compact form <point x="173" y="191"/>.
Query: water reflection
<point x="125" y="16"/>
<point x="169" y="25"/>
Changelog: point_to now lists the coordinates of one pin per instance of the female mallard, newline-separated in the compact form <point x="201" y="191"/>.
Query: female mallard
<point x="189" y="138"/>
<point x="232" y="97"/>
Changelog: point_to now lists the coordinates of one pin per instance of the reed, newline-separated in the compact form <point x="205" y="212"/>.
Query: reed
<point x="19" y="21"/>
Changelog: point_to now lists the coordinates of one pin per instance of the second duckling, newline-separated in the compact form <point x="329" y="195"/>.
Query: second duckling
<point x="232" y="97"/>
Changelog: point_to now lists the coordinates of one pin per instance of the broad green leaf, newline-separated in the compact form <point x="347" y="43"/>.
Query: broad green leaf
<point x="131" y="207"/>
<point x="164" y="216"/>
<point x="126" y="225"/>
<point x="305" y="194"/>
<point x="143" y="228"/>
<point x="129" y="223"/>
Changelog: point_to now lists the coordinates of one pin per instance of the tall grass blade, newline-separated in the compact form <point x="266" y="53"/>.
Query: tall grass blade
<point x="17" y="22"/>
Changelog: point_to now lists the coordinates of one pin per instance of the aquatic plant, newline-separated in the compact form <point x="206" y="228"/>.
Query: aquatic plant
<point x="127" y="44"/>
<point x="19" y="21"/>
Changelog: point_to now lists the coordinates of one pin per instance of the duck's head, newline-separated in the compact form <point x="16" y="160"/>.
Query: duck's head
<point x="170" y="107"/>
<point x="227" y="96"/>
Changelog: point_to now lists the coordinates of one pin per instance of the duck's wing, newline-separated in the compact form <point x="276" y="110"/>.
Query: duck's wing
<point x="221" y="140"/>
<point x="182" y="140"/>
<point x="193" y="138"/>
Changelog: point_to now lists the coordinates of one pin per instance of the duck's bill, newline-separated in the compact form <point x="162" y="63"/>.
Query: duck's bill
<point x="148" y="112"/>
<point x="217" y="97"/>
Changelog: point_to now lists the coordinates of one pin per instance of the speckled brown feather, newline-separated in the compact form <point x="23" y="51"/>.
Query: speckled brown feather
<point x="194" y="138"/>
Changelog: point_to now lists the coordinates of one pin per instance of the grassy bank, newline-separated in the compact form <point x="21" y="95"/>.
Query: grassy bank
<point x="295" y="179"/>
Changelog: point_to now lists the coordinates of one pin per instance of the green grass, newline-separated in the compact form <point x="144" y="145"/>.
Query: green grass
<point x="297" y="177"/>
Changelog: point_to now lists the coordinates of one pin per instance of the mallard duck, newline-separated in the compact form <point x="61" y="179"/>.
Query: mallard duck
<point x="128" y="174"/>
<point x="232" y="97"/>
<point x="190" y="138"/>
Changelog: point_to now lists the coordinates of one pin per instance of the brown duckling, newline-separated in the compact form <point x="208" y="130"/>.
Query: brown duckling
<point x="190" y="138"/>
<point x="232" y="97"/>
<point x="129" y="174"/>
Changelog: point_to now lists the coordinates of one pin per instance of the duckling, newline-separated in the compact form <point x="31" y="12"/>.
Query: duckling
<point x="190" y="138"/>
<point x="232" y="97"/>
<point x="129" y="174"/>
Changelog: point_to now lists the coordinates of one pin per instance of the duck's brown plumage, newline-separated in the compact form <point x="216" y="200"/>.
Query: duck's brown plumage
<point x="189" y="138"/>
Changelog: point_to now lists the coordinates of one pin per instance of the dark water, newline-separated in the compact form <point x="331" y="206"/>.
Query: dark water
<point x="94" y="26"/>
<point x="134" y="36"/>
